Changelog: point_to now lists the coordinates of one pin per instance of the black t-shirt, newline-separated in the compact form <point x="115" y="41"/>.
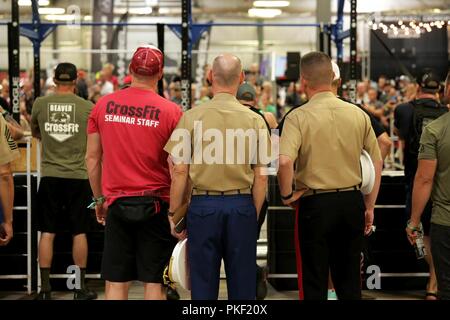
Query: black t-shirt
<point x="376" y="125"/>
<point x="260" y="113"/>
<point x="403" y="115"/>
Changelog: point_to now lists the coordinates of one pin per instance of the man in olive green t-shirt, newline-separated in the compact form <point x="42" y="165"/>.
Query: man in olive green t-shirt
<point x="433" y="178"/>
<point x="60" y="121"/>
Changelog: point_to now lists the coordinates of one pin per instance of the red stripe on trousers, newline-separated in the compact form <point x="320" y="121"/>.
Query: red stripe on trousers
<point x="298" y="257"/>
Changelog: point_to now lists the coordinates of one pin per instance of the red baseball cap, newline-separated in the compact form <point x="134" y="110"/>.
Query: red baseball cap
<point x="147" y="61"/>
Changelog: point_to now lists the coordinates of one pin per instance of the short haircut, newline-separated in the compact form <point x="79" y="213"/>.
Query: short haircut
<point x="226" y="70"/>
<point x="316" y="68"/>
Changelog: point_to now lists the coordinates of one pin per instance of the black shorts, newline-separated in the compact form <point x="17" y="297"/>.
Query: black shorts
<point x="138" y="242"/>
<point x="62" y="205"/>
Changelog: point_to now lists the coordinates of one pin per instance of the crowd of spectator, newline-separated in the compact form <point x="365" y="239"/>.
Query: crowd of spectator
<point x="379" y="98"/>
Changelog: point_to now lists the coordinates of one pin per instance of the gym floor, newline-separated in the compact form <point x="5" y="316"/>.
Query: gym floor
<point x="137" y="292"/>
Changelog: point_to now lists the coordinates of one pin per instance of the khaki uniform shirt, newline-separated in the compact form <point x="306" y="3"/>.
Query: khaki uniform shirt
<point x="223" y="158"/>
<point x="435" y="145"/>
<point x="325" y="137"/>
<point x="8" y="147"/>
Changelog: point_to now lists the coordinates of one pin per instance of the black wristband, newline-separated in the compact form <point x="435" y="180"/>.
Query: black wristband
<point x="288" y="196"/>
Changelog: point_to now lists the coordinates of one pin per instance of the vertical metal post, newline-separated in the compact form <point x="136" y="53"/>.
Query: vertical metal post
<point x="160" y="33"/>
<point x="186" y="54"/>
<point x="29" y="228"/>
<point x="338" y="30"/>
<point x="329" y="40"/>
<point x="37" y="68"/>
<point x="36" y="49"/>
<point x="321" y="38"/>
<point x="353" y="50"/>
<point x="260" y="36"/>
<point x="14" y="60"/>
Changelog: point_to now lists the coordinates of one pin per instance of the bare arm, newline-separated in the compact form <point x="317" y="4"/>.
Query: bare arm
<point x="423" y="184"/>
<point x="179" y="186"/>
<point x="7" y="200"/>
<point x="385" y="143"/>
<point x="94" y="155"/>
<point x="179" y="190"/>
<point x="259" y="188"/>
<point x="285" y="175"/>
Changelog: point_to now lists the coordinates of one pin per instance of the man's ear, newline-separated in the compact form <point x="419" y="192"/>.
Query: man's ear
<point x="241" y="77"/>
<point x="161" y="74"/>
<point x="209" y="77"/>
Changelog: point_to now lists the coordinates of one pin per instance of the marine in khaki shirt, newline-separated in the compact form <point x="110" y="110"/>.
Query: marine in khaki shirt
<point x="325" y="138"/>
<point x="219" y="170"/>
<point x="8" y="153"/>
<point x="8" y="147"/>
<point x="222" y="152"/>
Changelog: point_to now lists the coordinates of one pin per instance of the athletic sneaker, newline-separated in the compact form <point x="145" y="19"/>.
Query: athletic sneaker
<point x="84" y="294"/>
<point x="332" y="295"/>
<point x="44" y="295"/>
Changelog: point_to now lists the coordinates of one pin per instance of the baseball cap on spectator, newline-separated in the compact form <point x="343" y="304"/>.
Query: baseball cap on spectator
<point x="246" y="92"/>
<point x="428" y="81"/>
<point x="147" y="61"/>
<point x="65" y="72"/>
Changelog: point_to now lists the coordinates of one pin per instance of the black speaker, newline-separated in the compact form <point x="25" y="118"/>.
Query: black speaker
<point x="293" y="66"/>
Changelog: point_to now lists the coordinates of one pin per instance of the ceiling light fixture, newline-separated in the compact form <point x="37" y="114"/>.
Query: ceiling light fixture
<point x="27" y="3"/>
<point x="60" y="17"/>
<point x="52" y="11"/>
<point x="263" y="13"/>
<point x="271" y="4"/>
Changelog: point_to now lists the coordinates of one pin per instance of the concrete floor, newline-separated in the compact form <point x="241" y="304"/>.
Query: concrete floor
<point x="136" y="293"/>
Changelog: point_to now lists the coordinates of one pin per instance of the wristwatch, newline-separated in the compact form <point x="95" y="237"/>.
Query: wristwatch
<point x="288" y="196"/>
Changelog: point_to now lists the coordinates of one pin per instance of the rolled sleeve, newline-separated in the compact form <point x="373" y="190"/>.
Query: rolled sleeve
<point x="428" y="145"/>
<point x="291" y="137"/>
<point x="8" y="147"/>
<point x="93" y="121"/>
<point x="264" y="145"/>
<point x="179" y="145"/>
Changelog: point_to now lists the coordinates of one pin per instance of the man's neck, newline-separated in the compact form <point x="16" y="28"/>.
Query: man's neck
<point x="218" y="90"/>
<point x="312" y="92"/>
<point x="426" y="96"/>
<point x="144" y="86"/>
<point x="64" y="90"/>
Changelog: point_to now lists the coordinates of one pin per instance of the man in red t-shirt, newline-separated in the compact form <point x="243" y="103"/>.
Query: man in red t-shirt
<point x="130" y="178"/>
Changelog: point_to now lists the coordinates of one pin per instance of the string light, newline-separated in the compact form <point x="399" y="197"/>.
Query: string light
<point x="407" y="27"/>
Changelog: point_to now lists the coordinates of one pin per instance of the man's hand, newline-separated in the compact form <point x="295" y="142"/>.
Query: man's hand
<point x="411" y="231"/>
<point x="101" y="213"/>
<point x="292" y="201"/>
<point x="369" y="221"/>
<point x="8" y="233"/>
<point x="180" y="236"/>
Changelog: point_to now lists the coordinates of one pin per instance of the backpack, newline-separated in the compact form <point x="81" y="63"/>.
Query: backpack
<point x="423" y="113"/>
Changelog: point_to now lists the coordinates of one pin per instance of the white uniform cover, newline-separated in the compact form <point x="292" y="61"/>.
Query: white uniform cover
<point x="179" y="266"/>
<point x="367" y="173"/>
